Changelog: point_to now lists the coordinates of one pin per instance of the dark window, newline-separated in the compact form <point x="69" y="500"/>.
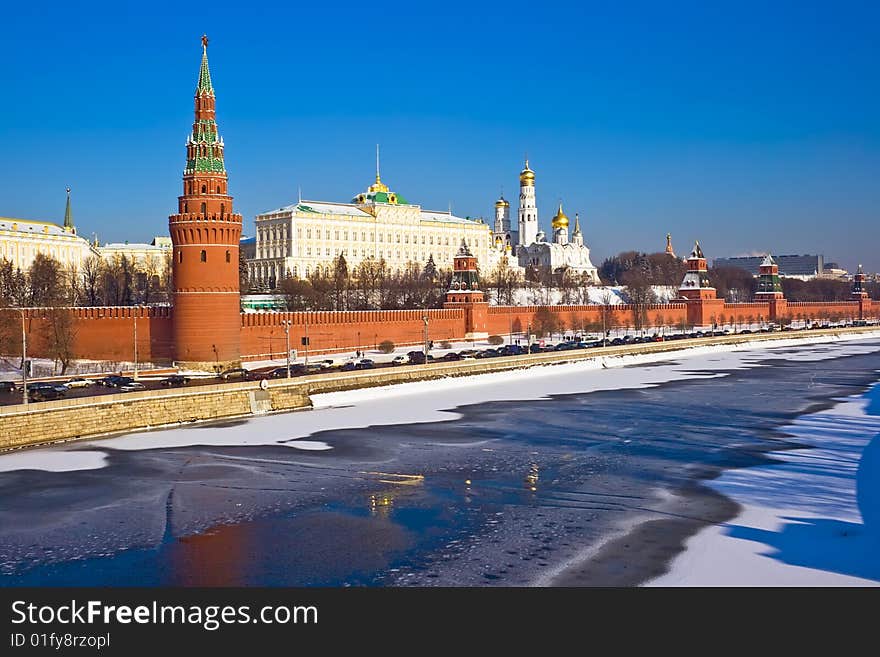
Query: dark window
<point x="228" y="257"/>
<point x="222" y="209"/>
<point x="204" y="189"/>
<point x="218" y="189"/>
<point x="204" y="256"/>
<point x="180" y="256"/>
<point x="204" y="208"/>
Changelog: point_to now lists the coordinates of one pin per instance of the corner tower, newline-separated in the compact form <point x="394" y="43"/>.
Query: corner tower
<point x="205" y="234"/>
<point x="464" y="292"/>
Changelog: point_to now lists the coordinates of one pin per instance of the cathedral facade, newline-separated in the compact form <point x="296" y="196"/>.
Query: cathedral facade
<point x="528" y="247"/>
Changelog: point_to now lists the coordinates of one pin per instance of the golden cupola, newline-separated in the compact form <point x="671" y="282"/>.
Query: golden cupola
<point x="502" y="203"/>
<point x="527" y="176"/>
<point x="560" y="220"/>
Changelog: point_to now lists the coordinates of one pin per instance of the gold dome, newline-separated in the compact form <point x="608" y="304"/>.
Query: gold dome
<point x="502" y="203"/>
<point x="527" y="176"/>
<point x="560" y="220"/>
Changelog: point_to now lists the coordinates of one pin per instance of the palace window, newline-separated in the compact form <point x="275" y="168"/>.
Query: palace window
<point x="363" y="237"/>
<point x="345" y="235"/>
<point x="327" y="251"/>
<point x="309" y="233"/>
<point x="327" y="234"/>
<point x="381" y="237"/>
<point x="337" y="234"/>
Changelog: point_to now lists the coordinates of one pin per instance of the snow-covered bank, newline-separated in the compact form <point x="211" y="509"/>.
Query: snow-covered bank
<point x="432" y="401"/>
<point x="811" y="520"/>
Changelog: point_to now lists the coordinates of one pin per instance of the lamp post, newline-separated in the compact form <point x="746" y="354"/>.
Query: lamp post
<point x="137" y="308"/>
<point x="530" y="337"/>
<point x="509" y="329"/>
<point x="24" y="362"/>
<point x="286" y="324"/>
<point x="306" y="345"/>
<point x="425" y="320"/>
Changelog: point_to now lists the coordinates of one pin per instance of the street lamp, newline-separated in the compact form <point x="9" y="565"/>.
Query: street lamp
<point x="425" y="320"/>
<point x="137" y="308"/>
<point x="530" y="337"/>
<point x="286" y="324"/>
<point x="24" y="361"/>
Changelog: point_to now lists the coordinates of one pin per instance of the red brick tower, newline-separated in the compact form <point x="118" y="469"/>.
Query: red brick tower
<point x="703" y="306"/>
<point x="464" y="292"/>
<point x="205" y="233"/>
<point x="860" y="294"/>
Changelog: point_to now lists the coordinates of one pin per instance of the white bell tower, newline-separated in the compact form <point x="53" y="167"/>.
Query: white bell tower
<point x="528" y="210"/>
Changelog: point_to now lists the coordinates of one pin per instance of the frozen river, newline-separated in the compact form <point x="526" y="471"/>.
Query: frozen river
<point x="585" y="473"/>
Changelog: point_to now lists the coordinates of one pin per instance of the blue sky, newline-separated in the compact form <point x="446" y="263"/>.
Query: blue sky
<point x="747" y="126"/>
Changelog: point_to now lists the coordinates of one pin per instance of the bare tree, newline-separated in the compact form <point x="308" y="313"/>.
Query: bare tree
<point x="59" y="333"/>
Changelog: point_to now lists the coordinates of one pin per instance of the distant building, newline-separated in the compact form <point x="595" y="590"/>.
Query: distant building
<point x="248" y="248"/>
<point x="151" y="259"/>
<point x="805" y="267"/>
<point x="22" y="239"/>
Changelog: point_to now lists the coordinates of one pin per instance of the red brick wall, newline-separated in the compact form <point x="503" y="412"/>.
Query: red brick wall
<point x="262" y="333"/>
<point x="516" y="319"/>
<point x="103" y="333"/>
<point x="108" y="333"/>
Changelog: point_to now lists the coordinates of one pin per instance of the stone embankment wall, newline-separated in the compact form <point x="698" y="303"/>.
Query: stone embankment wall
<point x="67" y="419"/>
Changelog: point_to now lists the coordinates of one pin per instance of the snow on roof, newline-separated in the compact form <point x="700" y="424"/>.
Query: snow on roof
<point x="32" y="227"/>
<point x="428" y="215"/>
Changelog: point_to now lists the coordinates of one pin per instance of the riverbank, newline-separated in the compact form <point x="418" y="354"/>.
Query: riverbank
<point x="89" y="417"/>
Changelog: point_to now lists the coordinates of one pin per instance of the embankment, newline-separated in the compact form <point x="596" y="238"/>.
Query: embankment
<point x="70" y="419"/>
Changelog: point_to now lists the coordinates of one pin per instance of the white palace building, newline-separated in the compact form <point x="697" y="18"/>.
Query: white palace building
<point x="379" y="223"/>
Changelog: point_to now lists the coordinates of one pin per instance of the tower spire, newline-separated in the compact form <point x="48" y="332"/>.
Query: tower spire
<point x="204" y="86"/>
<point x="68" y="216"/>
<point x="378" y="179"/>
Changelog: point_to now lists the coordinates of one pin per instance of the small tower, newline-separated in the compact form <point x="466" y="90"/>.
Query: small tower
<point x="695" y="284"/>
<point x="769" y="283"/>
<point x="577" y="238"/>
<point x="502" y="215"/>
<point x="560" y="226"/>
<point x="669" y="250"/>
<point x="859" y="290"/>
<point x="464" y="292"/>
<point x="68" y="217"/>
<point x="528" y="210"/>
<point x="205" y="233"/>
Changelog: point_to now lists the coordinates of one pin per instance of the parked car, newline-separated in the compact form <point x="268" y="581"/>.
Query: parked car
<point x="235" y="373"/>
<point x="45" y="391"/>
<point x="365" y="364"/>
<point x="78" y="382"/>
<point x="418" y="358"/>
<point x="132" y="386"/>
<point x="175" y="380"/>
<point x="349" y="366"/>
<point x="399" y="359"/>
<point x="451" y="356"/>
<point x="7" y="386"/>
<point x="115" y="381"/>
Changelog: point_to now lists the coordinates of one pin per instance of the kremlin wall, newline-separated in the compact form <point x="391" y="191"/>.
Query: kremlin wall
<point x="205" y="329"/>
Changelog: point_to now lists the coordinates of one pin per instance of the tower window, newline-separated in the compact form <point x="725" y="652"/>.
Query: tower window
<point x="218" y="189"/>
<point x="222" y="209"/>
<point x="204" y="208"/>
<point x="204" y="189"/>
<point x="186" y="207"/>
<point x="180" y="256"/>
<point x="228" y="257"/>
<point x="203" y="256"/>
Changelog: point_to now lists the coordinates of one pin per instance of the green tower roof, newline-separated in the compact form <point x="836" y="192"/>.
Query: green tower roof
<point x="68" y="214"/>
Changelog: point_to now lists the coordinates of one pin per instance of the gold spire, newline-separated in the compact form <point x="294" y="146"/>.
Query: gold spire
<point x="378" y="186"/>
<point x="560" y="220"/>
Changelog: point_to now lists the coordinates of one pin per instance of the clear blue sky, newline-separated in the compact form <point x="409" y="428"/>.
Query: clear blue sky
<point x="750" y="126"/>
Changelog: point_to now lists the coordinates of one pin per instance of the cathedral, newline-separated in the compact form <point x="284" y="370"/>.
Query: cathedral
<point x="528" y="246"/>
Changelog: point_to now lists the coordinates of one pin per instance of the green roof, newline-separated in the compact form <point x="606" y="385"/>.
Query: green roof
<point x="204" y="86"/>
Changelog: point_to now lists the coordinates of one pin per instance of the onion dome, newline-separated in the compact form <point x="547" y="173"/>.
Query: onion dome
<point x="527" y="176"/>
<point x="560" y="220"/>
<point x="502" y="203"/>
